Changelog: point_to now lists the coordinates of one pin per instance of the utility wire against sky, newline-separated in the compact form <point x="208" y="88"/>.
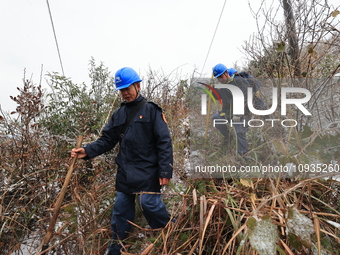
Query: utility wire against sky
<point x="212" y="40"/>
<point x="55" y="38"/>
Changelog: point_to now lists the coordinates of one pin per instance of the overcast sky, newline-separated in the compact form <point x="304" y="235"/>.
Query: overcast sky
<point x="157" y="34"/>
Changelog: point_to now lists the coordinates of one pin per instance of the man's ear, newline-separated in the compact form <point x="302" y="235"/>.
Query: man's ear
<point x="138" y="86"/>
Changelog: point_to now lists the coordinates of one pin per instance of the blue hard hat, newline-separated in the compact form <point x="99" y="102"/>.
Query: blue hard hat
<point x="125" y="77"/>
<point x="219" y="69"/>
<point x="231" y="71"/>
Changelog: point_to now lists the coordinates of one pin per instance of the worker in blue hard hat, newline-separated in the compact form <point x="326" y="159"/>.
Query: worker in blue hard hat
<point x="232" y="71"/>
<point x="240" y="123"/>
<point x="144" y="160"/>
<point x="220" y="71"/>
<point x="127" y="81"/>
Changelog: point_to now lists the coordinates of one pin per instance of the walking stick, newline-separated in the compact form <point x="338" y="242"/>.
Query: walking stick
<point x="44" y="244"/>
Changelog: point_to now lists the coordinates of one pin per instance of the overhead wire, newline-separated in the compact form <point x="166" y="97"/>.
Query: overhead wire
<point x="55" y="38"/>
<point x="213" y="38"/>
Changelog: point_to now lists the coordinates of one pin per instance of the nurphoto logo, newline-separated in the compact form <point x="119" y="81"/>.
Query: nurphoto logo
<point x="238" y="100"/>
<point x="239" y="105"/>
<point x="241" y="128"/>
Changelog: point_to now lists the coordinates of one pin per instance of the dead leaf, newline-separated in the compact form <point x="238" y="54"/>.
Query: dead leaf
<point x="194" y="196"/>
<point x="245" y="183"/>
<point x="253" y="198"/>
<point x="335" y="13"/>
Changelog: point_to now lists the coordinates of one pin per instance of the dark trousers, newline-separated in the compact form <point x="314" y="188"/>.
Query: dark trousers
<point x="153" y="210"/>
<point x="241" y="131"/>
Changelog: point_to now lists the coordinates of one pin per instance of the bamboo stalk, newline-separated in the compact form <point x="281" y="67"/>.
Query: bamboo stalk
<point x="285" y="246"/>
<point x="57" y="205"/>
<point x="317" y="232"/>
<point x="205" y="226"/>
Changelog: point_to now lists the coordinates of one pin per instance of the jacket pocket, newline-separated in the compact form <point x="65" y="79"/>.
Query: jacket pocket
<point x="142" y="131"/>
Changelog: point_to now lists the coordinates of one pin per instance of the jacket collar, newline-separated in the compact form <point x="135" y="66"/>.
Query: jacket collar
<point x="134" y="102"/>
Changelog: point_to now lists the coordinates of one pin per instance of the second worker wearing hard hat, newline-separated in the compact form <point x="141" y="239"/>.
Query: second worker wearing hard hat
<point x="230" y="76"/>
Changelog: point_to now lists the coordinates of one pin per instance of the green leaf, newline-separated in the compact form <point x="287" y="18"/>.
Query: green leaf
<point x="263" y="235"/>
<point x="299" y="227"/>
<point x="307" y="132"/>
<point x="281" y="46"/>
<point x="251" y="223"/>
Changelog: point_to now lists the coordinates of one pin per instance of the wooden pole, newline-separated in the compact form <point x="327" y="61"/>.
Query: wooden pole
<point x="57" y="205"/>
<point x="208" y="120"/>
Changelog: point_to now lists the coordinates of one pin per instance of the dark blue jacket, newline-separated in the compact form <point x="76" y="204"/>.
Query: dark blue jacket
<point x="145" y="151"/>
<point x="227" y="97"/>
<point x="243" y="84"/>
<point x="256" y="85"/>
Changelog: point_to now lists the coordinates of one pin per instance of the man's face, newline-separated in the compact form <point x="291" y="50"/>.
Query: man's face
<point x="223" y="78"/>
<point x="130" y="93"/>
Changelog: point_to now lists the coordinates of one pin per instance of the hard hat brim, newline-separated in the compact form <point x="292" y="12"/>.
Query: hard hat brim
<point x="126" y="85"/>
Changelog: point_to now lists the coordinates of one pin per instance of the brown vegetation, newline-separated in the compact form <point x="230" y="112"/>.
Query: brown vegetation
<point x="212" y="216"/>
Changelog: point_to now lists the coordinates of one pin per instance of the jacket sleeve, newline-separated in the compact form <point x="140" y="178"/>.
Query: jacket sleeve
<point x="164" y="145"/>
<point x="106" y="142"/>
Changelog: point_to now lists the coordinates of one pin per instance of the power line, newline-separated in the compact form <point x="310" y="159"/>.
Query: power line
<point x="55" y="38"/>
<point x="212" y="40"/>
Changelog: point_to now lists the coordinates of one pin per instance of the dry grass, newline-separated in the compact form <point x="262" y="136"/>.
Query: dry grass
<point x="215" y="222"/>
<point x="212" y="216"/>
